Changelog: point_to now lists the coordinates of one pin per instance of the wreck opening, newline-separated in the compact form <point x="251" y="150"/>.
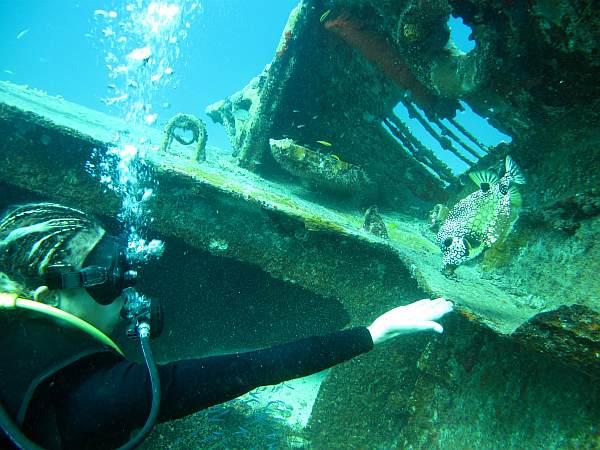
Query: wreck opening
<point x="459" y="142"/>
<point x="460" y="34"/>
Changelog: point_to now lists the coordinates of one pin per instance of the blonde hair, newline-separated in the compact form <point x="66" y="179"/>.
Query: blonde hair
<point x="37" y="235"/>
<point x="9" y="286"/>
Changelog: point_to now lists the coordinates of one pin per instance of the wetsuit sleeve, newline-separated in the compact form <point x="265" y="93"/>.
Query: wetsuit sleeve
<point x="199" y="383"/>
<point x="118" y="397"/>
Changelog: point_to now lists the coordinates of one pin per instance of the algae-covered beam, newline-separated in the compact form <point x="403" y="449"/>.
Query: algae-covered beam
<point x="212" y="205"/>
<point x="215" y="206"/>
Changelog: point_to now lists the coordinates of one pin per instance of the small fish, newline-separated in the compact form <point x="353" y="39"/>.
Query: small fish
<point x="104" y="13"/>
<point x="113" y="100"/>
<point x="325" y="143"/>
<point x="22" y="34"/>
<point x="219" y="412"/>
<point x="482" y="218"/>
<point x="241" y="431"/>
<point x="324" y="16"/>
<point x="241" y="114"/>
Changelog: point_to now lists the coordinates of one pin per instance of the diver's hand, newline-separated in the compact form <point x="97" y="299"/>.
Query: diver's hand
<point x="418" y="316"/>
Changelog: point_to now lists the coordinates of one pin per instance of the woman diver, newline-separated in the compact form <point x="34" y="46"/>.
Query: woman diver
<point x="65" y="283"/>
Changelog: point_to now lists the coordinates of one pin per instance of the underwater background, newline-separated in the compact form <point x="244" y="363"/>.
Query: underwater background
<point x="332" y="178"/>
<point x="57" y="47"/>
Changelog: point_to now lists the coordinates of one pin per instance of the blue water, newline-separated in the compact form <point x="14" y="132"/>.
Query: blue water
<point x="460" y="34"/>
<point x="54" y="46"/>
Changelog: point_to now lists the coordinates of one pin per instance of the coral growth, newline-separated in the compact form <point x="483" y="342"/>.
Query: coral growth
<point x="567" y="214"/>
<point x="373" y="223"/>
<point x="186" y="122"/>
<point x="380" y="52"/>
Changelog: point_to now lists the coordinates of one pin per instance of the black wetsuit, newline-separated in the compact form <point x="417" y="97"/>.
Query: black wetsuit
<point x="97" y="401"/>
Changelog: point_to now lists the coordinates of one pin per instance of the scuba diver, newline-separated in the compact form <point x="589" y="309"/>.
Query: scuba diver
<point x="64" y="384"/>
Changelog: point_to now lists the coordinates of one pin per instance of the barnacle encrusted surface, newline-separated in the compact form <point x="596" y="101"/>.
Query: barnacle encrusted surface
<point x="326" y="171"/>
<point x="186" y="122"/>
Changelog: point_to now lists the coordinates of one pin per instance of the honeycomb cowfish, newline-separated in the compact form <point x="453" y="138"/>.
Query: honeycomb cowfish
<point x="482" y="218"/>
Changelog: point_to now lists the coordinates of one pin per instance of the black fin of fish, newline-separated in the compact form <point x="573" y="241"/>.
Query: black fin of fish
<point x="516" y="176"/>
<point x="484" y="179"/>
<point x="473" y="245"/>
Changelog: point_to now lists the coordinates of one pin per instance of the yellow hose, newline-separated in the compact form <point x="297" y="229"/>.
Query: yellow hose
<point x="12" y="301"/>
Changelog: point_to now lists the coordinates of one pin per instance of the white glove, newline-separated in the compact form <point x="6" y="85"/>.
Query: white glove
<point x="418" y="316"/>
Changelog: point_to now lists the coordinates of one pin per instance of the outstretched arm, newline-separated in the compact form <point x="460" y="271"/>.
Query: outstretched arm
<point x="110" y="399"/>
<point x="418" y="316"/>
<point x="104" y="400"/>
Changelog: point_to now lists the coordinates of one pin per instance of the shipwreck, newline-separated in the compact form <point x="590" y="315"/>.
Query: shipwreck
<point x="316" y="146"/>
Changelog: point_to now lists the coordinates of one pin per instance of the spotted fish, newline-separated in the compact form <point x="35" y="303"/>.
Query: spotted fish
<point x="483" y="218"/>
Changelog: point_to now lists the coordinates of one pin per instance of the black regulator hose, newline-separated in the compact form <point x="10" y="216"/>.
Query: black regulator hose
<point x="144" y="334"/>
<point x="20" y="441"/>
<point x="139" y="309"/>
<point x="14" y="433"/>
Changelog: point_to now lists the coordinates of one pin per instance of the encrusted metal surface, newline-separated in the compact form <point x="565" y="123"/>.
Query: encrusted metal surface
<point x="231" y="212"/>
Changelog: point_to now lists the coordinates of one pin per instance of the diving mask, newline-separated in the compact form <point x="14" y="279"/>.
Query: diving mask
<point x="105" y="273"/>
